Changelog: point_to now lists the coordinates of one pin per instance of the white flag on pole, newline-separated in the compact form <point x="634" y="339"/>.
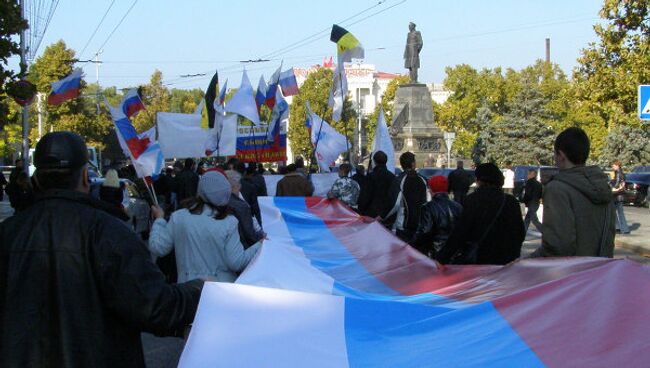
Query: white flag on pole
<point x="383" y="142"/>
<point x="243" y="101"/>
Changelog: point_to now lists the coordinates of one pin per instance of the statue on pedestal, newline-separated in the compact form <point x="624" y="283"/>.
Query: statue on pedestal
<point x="412" y="52"/>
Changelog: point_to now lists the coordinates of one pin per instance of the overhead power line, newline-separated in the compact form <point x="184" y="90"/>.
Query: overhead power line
<point x="116" y="27"/>
<point x="96" y="28"/>
<point x="39" y="15"/>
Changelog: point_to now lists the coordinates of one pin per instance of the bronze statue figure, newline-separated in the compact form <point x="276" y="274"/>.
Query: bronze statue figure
<point x="412" y="52"/>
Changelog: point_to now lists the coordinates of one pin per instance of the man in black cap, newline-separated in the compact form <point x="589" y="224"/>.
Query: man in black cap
<point x="77" y="286"/>
<point x="490" y="229"/>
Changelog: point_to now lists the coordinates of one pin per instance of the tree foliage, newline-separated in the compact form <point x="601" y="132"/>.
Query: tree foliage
<point x="522" y="136"/>
<point x="629" y="144"/>
<point x="156" y="97"/>
<point x="610" y="69"/>
<point x="316" y="91"/>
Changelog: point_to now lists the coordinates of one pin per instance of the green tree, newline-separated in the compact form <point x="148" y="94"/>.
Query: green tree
<point x="316" y="90"/>
<point x="629" y="144"/>
<point x="522" y="136"/>
<point x="471" y="89"/>
<point x="12" y="24"/>
<point x="185" y="101"/>
<point x="156" y="97"/>
<point x="78" y="115"/>
<point x="387" y="101"/>
<point x="610" y="69"/>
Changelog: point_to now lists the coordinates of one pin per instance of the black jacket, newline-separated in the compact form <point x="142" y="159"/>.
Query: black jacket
<point x="437" y="220"/>
<point x="532" y="192"/>
<point x="77" y="287"/>
<point x="186" y="185"/>
<point x="414" y="194"/>
<point x="242" y="212"/>
<point x="363" y="200"/>
<point x="380" y="181"/>
<point x="503" y="241"/>
<point x="250" y="191"/>
<point x="459" y="181"/>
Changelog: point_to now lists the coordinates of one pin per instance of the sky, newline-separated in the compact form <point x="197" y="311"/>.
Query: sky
<point x="191" y="37"/>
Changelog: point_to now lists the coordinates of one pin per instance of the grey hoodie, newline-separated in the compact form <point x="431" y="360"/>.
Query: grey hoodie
<point x="579" y="218"/>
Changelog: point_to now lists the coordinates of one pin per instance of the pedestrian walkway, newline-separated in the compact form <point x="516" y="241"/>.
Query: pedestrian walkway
<point x="635" y="246"/>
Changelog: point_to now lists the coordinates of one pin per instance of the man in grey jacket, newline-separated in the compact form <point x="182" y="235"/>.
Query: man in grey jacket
<point x="578" y="212"/>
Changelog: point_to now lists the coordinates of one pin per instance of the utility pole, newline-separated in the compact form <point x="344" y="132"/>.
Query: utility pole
<point x="359" y="124"/>
<point x="23" y="69"/>
<point x="40" y="112"/>
<point x="97" y="62"/>
<point x="548" y="50"/>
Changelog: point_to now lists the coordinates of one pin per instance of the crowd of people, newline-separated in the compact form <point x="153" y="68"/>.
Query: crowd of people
<point x="86" y="285"/>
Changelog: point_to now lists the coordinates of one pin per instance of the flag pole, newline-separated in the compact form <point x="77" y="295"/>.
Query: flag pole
<point x="313" y="152"/>
<point x="345" y="127"/>
<point x="148" y="182"/>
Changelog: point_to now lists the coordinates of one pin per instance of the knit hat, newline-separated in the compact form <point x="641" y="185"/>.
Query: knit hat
<point x="214" y="188"/>
<point x="489" y="173"/>
<point x="111" y="180"/>
<point x="438" y="184"/>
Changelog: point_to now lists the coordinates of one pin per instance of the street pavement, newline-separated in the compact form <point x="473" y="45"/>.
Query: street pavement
<point x="634" y="246"/>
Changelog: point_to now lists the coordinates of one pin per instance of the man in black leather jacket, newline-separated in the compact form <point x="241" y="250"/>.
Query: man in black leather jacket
<point x="77" y="286"/>
<point x="437" y="218"/>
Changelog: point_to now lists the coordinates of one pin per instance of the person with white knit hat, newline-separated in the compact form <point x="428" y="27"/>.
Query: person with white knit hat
<point x="204" y="235"/>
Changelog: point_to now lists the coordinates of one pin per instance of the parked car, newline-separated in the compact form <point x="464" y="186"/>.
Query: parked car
<point x="428" y="172"/>
<point x="544" y="174"/>
<point x="135" y="204"/>
<point x="636" y="186"/>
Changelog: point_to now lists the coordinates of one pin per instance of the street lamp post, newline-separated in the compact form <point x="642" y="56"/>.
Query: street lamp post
<point x="449" y="140"/>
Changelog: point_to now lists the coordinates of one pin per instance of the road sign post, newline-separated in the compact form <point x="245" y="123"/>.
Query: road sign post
<point x="644" y="102"/>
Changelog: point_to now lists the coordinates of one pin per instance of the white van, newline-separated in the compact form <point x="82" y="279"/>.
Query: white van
<point x="93" y="160"/>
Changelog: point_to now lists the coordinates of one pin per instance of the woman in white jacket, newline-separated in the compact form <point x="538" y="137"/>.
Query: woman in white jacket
<point x="204" y="235"/>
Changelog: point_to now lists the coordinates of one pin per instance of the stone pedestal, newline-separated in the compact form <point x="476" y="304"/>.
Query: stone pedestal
<point x="414" y="129"/>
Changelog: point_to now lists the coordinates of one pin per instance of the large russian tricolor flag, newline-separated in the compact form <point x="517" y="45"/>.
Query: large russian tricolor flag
<point x="330" y="288"/>
<point x="66" y="88"/>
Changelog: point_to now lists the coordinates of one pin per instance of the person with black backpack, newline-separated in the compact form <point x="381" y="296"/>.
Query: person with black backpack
<point x="408" y="193"/>
<point x="490" y="229"/>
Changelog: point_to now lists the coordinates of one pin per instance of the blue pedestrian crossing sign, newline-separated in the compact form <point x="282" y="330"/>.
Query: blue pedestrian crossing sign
<point x="644" y="102"/>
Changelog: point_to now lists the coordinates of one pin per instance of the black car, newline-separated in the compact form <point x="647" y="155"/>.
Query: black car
<point x="428" y="172"/>
<point x="544" y="174"/>
<point x="636" y="186"/>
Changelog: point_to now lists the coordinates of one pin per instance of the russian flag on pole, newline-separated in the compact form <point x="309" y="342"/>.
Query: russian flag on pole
<point x="330" y="288"/>
<point x="146" y="155"/>
<point x="131" y="103"/>
<point x="66" y="88"/>
<point x="288" y="83"/>
<point x="273" y="84"/>
<point x="260" y="94"/>
<point x="279" y="114"/>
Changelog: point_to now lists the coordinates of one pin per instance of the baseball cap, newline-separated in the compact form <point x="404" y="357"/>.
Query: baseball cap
<point x="60" y="150"/>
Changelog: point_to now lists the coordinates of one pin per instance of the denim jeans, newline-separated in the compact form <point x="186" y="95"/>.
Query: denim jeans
<point x="621" y="223"/>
